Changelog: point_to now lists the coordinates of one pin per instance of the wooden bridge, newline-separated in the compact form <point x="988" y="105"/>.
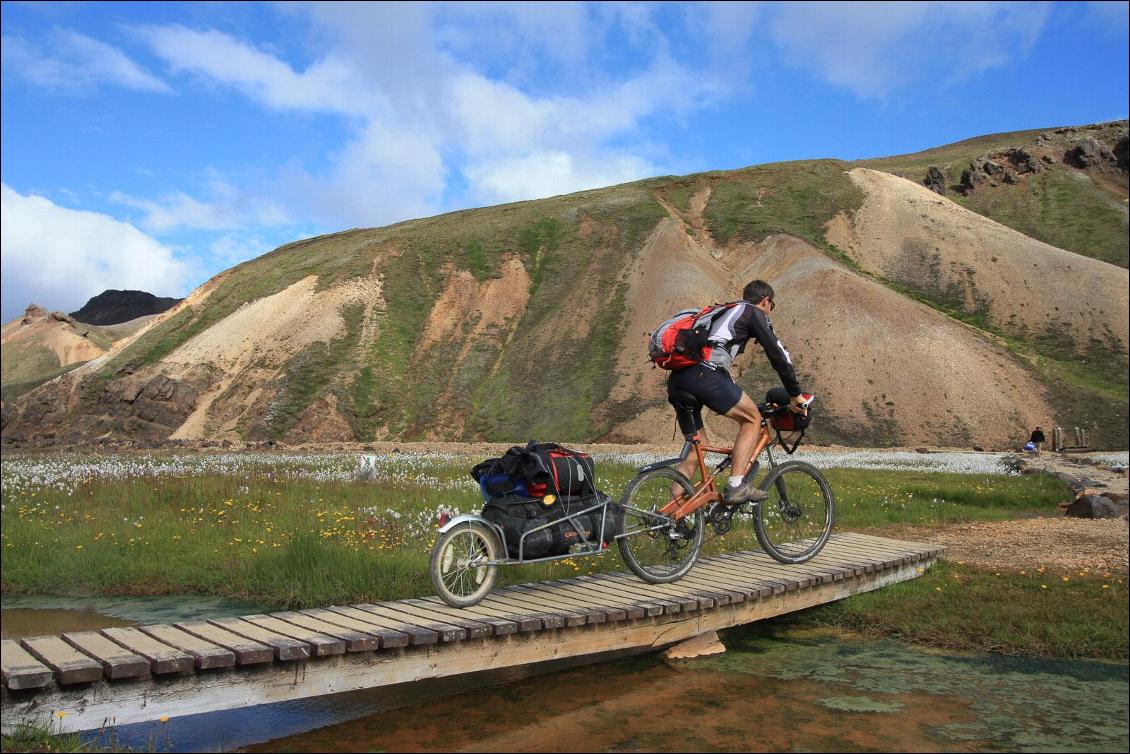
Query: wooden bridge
<point x="85" y="679"/>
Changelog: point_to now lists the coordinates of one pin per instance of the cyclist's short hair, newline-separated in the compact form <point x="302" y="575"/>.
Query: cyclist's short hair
<point x="757" y="290"/>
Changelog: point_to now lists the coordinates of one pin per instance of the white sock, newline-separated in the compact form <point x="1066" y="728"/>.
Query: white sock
<point x="736" y="481"/>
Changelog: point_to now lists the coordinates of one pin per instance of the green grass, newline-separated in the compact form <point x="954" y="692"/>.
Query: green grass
<point x="271" y="534"/>
<point x="785" y="197"/>
<point x="1054" y="613"/>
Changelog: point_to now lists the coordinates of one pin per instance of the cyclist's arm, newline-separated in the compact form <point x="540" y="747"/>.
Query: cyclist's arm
<point x="760" y="329"/>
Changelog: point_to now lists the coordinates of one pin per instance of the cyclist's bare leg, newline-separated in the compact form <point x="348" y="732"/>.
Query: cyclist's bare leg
<point x="749" y="430"/>
<point x="689" y="465"/>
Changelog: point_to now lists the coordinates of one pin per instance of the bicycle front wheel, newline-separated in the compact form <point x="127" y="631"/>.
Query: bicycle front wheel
<point x="794" y="523"/>
<point x="657" y="549"/>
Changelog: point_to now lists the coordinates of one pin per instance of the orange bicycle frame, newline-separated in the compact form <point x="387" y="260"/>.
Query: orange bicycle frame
<point x="706" y="492"/>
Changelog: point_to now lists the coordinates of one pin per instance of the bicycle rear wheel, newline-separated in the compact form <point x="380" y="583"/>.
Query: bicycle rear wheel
<point x="657" y="549"/>
<point x="794" y="523"/>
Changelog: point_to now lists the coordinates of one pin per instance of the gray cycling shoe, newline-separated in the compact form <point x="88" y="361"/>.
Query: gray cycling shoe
<point x="746" y="492"/>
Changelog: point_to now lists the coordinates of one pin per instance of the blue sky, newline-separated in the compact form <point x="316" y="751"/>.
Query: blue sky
<point x="152" y="145"/>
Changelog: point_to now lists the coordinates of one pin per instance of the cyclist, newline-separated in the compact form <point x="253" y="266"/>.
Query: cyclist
<point x="710" y="383"/>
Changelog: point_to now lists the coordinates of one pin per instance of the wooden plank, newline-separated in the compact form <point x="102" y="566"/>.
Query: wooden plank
<point x="759" y="568"/>
<point x="549" y="602"/>
<point x="598" y="594"/>
<point x="322" y="645"/>
<point x="737" y="580"/>
<point x="246" y="652"/>
<point x="892" y="552"/>
<point x="387" y="638"/>
<point x="162" y="658"/>
<point x="205" y="654"/>
<point x="523" y="621"/>
<point x="355" y="641"/>
<point x="723" y="585"/>
<point x="474" y="629"/>
<point x="551" y="617"/>
<point x="116" y="662"/>
<point x="846" y="554"/>
<point x="689" y="600"/>
<point x="649" y="605"/>
<point x="686" y="602"/>
<point x="499" y="626"/>
<point x="585" y="598"/>
<point x="691" y="595"/>
<point x="20" y="669"/>
<point x="668" y="605"/>
<point x="642" y="600"/>
<point x="69" y="664"/>
<point x="447" y="631"/>
<point x="417" y="635"/>
<point x="286" y="648"/>
<point x="763" y="578"/>
<point x="763" y="569"/>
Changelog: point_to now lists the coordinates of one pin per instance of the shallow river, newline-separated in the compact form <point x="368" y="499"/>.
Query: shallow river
<point x="778" y="687"/>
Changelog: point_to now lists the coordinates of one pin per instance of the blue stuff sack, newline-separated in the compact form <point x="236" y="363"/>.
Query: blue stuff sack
<point x="497" y="485"/>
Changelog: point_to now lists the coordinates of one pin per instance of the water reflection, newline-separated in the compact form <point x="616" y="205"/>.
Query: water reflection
<point x="777" y="688"/>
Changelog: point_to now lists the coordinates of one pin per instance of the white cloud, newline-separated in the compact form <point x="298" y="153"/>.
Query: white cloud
<point x="543" y="174"/>
<point x="227" y="208"/>
<point x="387" y="174"/>
<point x="326" y="85"/>
<point x="873" y="49"/>
<point x="59" y="257"/>
<point x="415" y="78"/>
<point x="75" y="63"/>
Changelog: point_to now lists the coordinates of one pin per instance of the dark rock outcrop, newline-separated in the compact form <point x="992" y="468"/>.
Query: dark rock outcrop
<point x="935" y="180"/>
<point x="1089" y="153"/>
<point x="113" y="307"/>
<point x="1121" y="156"/>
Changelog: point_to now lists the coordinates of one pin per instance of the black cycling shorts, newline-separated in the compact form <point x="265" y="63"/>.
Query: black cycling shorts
<point x="689" y="389"/>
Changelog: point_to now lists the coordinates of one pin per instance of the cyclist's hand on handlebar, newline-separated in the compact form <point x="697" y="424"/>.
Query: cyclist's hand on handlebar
<point x="799" y="404"/>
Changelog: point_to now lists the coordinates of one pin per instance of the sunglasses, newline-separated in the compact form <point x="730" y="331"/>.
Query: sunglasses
<point x="772" y="305"/>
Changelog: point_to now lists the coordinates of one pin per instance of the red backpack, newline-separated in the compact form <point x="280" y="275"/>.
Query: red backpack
<point x="682" y="340"/>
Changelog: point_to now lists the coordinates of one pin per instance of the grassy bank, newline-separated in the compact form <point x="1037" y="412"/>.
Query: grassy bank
<point x="1046" y="612"/>
<point x="298" y="531"/>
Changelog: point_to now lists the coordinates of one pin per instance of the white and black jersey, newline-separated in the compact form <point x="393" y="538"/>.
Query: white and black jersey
<point x="730" y="332"/>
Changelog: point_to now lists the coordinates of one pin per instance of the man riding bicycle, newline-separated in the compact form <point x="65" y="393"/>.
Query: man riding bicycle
<point x="710" y="383"/>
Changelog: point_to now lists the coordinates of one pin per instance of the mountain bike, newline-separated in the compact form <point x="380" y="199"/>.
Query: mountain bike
<point x="792" y="525"/>
<point x="659" y="524"/>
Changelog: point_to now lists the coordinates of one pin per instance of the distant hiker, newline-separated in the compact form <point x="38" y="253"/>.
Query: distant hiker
<point x="1037" y="439"/>
<point x="710" y="383"/>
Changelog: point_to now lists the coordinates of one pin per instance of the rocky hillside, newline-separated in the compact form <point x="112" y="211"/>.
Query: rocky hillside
<point x="917" y="317"/>
<point x="115" y="307"/>
<point x="41" y="345"/>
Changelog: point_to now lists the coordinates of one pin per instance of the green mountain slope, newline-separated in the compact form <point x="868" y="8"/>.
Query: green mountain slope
<point x="524" y="320"/>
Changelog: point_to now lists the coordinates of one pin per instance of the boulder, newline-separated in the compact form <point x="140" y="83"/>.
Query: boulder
<point x="1022" y="160"/>
<point x="935" y="180"/>
<point x="1089" y="153"/>
<point x="1096" y="506"/>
